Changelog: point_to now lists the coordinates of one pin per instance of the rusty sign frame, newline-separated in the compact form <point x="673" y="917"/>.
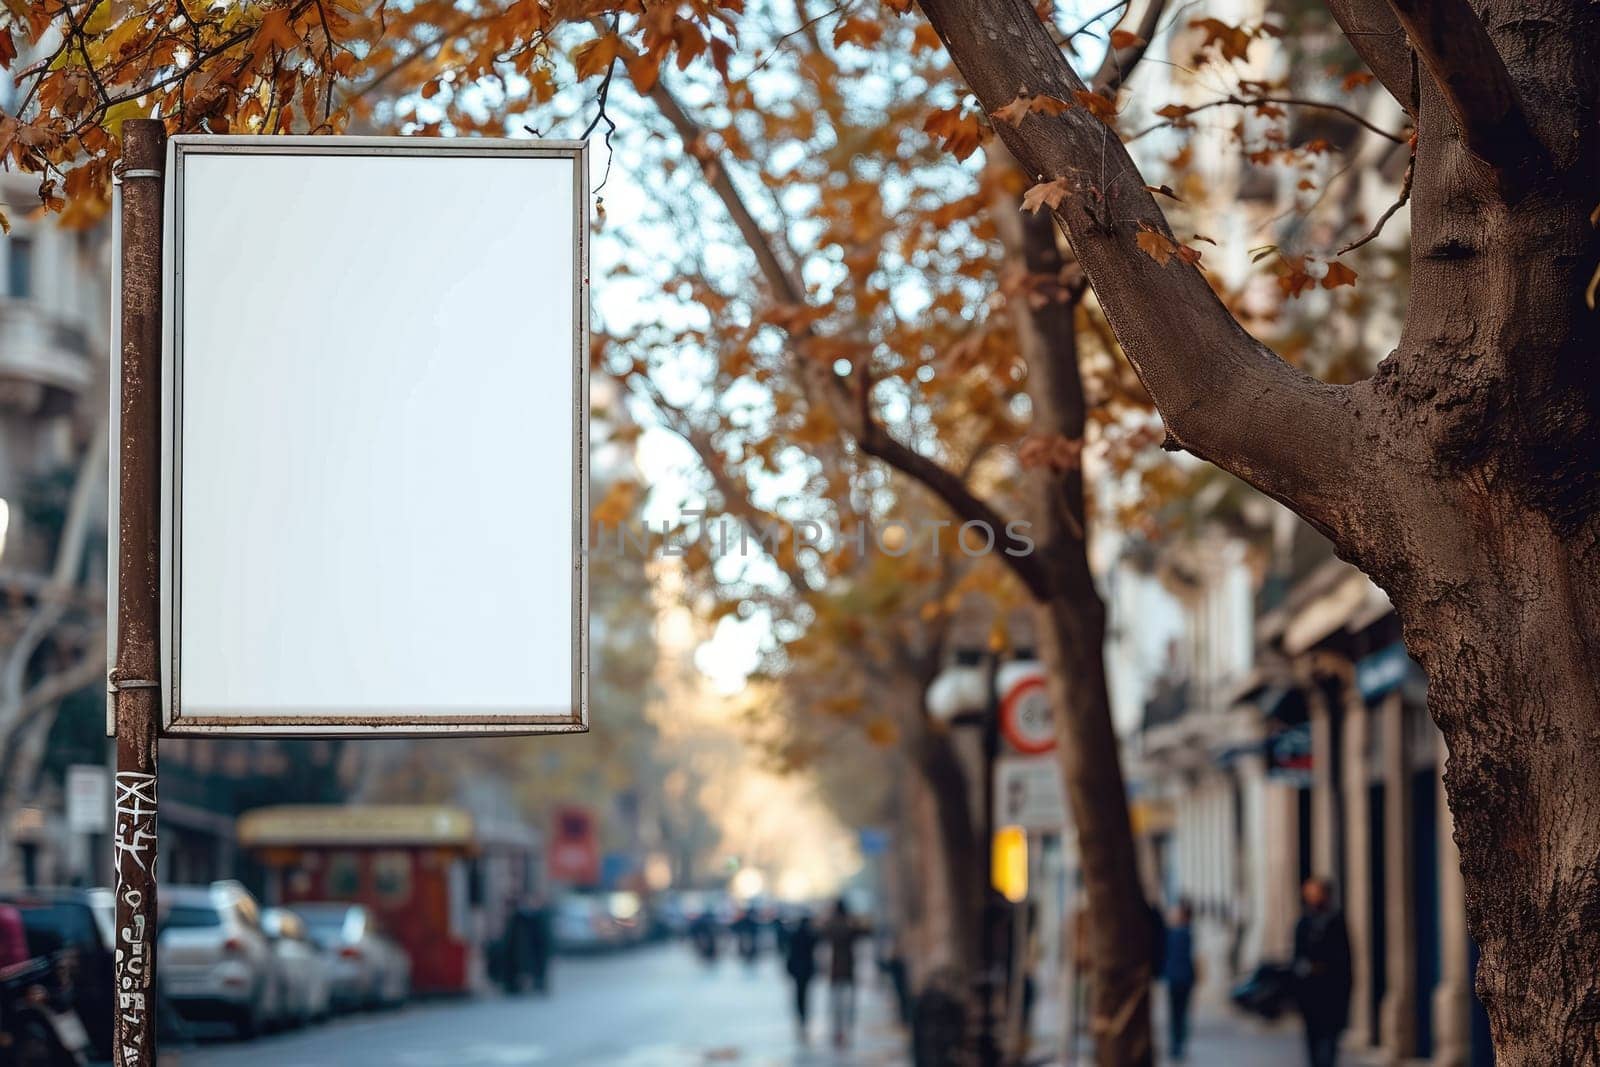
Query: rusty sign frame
<point x="175" y="722"/>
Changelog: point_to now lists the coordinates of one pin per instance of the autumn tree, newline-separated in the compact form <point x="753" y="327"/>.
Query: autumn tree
<point x="856" y="355"/>
<point x="1461" y="476"/>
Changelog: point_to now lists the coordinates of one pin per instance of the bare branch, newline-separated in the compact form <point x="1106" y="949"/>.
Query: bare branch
<point x="1400" y="201"/>
<point x="1235" y="100"/>
<point x="1453" y="44"/>
<point x="1222" y="394"/>
<point x="1375" y="34"/>
<point x="1118" y="65"/>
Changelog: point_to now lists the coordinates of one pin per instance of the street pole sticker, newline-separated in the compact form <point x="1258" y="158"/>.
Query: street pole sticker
<point x="1026" y="717"/>
<point x="374" y="477"/>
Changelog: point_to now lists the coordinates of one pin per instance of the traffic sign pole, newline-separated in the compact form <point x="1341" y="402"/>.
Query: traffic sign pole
<point x="135" y="677"/>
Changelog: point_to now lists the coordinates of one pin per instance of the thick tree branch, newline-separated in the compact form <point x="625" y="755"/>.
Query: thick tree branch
<point x="1223" y="394"/>
<point x="824" y="386"/>
<point x="1453" y="44"/>
<point x="1375" y="34"/>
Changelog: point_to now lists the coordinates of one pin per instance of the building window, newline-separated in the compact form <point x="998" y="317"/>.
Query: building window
<point x="19" y="268"/>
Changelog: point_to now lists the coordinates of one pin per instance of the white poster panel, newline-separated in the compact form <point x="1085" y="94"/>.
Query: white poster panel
<point x="1029" y="794"/>
<point x="375" y="452"/>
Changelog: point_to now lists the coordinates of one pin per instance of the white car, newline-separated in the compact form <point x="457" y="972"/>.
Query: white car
<point x="304" y="971"/>
<point x="216" y="962"/>
<point x="369" y="969"/>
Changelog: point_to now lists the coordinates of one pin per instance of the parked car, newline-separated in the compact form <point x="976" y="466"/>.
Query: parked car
<point x="303" y="969"/>
<point x="65" y="923"/>
<point x="584" y="924"/>
<point x="370" y="970"/>
<point x="216" y="961"/>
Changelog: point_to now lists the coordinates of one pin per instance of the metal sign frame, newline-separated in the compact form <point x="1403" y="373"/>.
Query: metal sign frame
<point x="175" y="722"/>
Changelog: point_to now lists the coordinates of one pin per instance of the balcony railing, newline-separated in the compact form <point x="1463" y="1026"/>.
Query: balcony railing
<point x="44" y="360"/>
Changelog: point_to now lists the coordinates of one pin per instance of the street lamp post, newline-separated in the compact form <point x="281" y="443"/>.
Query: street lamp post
<point x="967" y="692"/>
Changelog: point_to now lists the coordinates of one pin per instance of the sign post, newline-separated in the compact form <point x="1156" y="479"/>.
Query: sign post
<point x="135" y="677"/>
<point x="352" y="478"/>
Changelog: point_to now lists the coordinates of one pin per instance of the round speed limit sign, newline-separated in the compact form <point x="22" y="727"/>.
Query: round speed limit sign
<point x="1027" y="718"/>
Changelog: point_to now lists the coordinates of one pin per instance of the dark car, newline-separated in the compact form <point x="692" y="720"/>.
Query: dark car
<point x="63" y="923"/>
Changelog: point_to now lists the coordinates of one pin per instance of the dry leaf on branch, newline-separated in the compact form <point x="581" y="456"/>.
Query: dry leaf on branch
<point x="1046" y="194"/>
<point x="1025" y="105"/>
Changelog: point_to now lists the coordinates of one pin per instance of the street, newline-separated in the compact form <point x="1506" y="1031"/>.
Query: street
<point x="655" y="1007"/>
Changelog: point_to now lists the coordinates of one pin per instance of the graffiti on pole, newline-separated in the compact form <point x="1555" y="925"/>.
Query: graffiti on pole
<point x="135" y="846"/>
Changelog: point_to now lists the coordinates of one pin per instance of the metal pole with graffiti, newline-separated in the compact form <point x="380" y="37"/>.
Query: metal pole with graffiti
<point x="135" y="675"/>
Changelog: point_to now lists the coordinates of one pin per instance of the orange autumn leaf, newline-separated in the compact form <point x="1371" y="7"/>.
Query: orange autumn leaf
<point x="1338" y="274"/>
<point x="1046" y="194"/>
<point x="274" y="32"/>
<point x="1233" y="42"/>
<point x="1025" y="105"/>
<point x="1101" y="107"/>
<point x="1056" y="451"/>
<point x="857" y="30"/>
<point x="924" y="38"/>
<point x="1155" y="244"/>
<point x="883" y="732"/>
<point x="596" y="56"/>
<point x="959" y="133"/>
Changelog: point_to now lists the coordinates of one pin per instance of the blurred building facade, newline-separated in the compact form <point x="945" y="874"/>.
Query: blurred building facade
<point x="1289" y="737"/>
<point x="54" y="340"/>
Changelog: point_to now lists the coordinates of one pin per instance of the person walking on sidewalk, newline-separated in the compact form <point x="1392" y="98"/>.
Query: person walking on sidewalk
<point x="842" y="931"/>
<point x="800" y="960"/>
<point x="1322" y="971"/>
<point x="1179" y="972"/>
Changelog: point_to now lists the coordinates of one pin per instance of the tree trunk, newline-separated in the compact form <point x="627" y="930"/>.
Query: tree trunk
<point x="1463" y="476"/>
<point x="1072" y="630"/>
<point x="1486" y="532"/>
<point x="964" y="867"/>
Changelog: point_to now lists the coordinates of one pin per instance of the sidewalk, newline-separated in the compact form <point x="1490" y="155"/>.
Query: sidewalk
<point x="1217" y="1038"/>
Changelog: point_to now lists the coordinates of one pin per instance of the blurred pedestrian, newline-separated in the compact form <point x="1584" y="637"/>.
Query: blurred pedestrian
<point x="781" y="928"/>
<point x="892" y="964"/>
<point x="1178" y="970"/>
<point x="842" y="931"/>
<point x="800" y="960"/>
<point x="537" y="939"/>
<point x="746" y="932"/>
<point x="703" y="935"/>
<point x="1322" y="971"/>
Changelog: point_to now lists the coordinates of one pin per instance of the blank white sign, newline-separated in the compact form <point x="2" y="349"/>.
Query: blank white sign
<point x="375" y="481"/>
